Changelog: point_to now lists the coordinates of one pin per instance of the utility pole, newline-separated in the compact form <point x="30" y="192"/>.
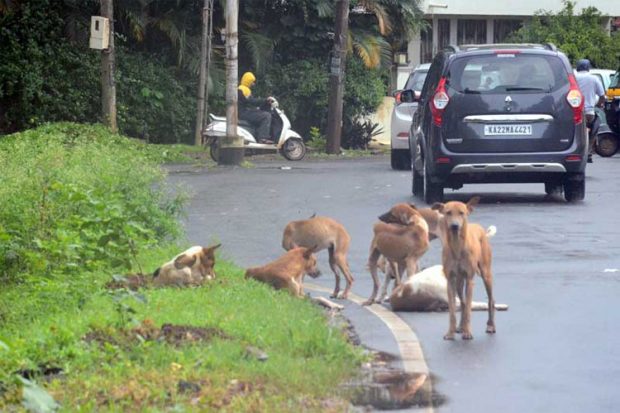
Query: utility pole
<point x="231" y="147"/>
<point x="336" y="78"/>
<point x="205" y="49"/>
<point x="108" y="86"/>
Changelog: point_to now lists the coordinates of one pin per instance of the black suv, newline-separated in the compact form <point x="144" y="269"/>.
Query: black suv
<point x="500" y="113"/>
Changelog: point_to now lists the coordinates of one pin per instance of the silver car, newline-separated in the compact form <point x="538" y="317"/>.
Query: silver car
<point x="401" y="119"/>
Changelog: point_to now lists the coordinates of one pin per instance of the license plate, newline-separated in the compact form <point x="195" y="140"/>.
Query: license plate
<point x="507" y="130"/>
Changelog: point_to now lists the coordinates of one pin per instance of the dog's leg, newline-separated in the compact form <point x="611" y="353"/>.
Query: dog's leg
<point x="466" y="308"/>
<point x="396" y="269"/>
<point x="294" y="288"/>
<point x="372" y="265"/>
<point x="332" y="265"/>
<point x="341" y="262"/>
<point x="412" y="267"/>
<point x="451" y="306"/>
<point x="460" y="285"/>
<point x="386" y="282"/>
<point x="487" y="277"/>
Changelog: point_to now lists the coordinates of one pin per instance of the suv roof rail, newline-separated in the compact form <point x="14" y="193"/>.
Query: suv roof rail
<point x="452" y="48"/>
<point x="551" y="47"/>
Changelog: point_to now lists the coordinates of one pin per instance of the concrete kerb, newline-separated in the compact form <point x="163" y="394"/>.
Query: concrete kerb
<point x="409" y="346"/>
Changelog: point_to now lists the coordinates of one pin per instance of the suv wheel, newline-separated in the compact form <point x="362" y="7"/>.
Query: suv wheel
<point x="575" y="187"/>
<point x="400" y="159"/>
<point x="432" y="192"/>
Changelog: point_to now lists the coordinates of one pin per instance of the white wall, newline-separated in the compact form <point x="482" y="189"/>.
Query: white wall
<point x="514" y="8"/>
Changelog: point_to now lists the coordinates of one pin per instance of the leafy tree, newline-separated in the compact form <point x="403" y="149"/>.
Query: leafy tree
<point x="577" y="35"/>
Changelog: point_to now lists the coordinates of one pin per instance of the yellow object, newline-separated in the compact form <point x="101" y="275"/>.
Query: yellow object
<point x="248" y="79"/>
<point x="245" y="90"/>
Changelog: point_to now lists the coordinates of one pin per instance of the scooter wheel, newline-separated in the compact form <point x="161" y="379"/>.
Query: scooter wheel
<point x="294" y="150"/>
<point x="214" y="151"/>
<point x="606" y="145"/>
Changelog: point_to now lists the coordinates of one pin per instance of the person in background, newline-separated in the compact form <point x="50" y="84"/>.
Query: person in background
<point x="249" y="109"/>
<point x="593" y="95"/>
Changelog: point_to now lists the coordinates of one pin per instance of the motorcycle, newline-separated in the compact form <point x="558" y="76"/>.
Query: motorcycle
<point x="289" y="143"/>
<point x="608" y="134"/>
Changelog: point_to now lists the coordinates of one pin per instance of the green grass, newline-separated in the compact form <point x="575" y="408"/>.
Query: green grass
<point x="78" y="205"/>
<point x="307" y="359"/>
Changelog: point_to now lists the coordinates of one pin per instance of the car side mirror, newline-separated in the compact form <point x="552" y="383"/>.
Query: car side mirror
<point x="409" y="96"/>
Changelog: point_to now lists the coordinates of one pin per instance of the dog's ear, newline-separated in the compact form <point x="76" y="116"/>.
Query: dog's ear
<point x="210" y="250"/>
<point x="472" y="203"/>
<point x="184" y="261"/>
<point x="313" y="216"/>
<point x="438" y="206"/>
<point x="309" y="251"/>
<point x="413" y="206"/>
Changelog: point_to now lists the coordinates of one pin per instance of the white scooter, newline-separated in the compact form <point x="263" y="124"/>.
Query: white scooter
<point x="290" y="144"/>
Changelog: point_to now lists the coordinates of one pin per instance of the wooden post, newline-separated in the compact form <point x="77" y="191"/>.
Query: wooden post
<point x="108" y="86"/>
<point x="336" y="78"/>
<point x="231" y="147"/>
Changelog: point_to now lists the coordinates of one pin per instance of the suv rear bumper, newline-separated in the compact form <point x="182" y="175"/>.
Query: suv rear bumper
<point x="506" y="167"/>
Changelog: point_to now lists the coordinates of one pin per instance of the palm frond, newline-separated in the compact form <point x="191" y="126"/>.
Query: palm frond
<point x="260" y="48"/>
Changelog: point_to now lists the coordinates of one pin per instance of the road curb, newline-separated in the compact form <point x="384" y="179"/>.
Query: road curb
<point x="409" y="346"/>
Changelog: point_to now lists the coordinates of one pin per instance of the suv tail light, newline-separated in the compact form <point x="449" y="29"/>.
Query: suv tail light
<point x="575" y="99"/>
<point x="439" y="102"/>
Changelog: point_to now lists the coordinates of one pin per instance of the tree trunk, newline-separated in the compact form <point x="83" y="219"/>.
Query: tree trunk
<point x="200" y="111"/>
<point x="336" y="78"/>
<point x="108" y="86"/>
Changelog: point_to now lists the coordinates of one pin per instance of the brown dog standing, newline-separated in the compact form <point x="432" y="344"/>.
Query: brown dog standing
<point x="288" y="270"/>
<point x="191" y="267"/>
<point x="466" y="252"/>
<point x="402" y="245"/>
<point x="324" y="233"/>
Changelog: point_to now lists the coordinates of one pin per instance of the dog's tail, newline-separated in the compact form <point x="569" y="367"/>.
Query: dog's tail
<point x="492" y="230"/>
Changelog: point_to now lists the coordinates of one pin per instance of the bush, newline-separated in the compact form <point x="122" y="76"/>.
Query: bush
<point x="78" y="198"/>
<point x="302" y="89"/>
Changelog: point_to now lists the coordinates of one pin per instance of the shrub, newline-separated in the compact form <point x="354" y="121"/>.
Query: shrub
<point x="78" y="198"/>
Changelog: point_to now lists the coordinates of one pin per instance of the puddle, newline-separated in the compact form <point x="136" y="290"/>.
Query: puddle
<point x="383" y="387"/>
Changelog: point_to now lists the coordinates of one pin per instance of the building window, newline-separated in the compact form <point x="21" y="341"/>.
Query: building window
<point x="471" y="31"/>
<point x="443" y="33"/>
<point x="426" y="42"/>
<point x="503" y="28"/>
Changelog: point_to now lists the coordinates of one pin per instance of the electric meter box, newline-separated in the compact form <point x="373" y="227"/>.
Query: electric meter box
<point x="99" y="33"/>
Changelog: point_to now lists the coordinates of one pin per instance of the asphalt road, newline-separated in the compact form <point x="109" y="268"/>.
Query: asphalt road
<point x="557" y="349"/>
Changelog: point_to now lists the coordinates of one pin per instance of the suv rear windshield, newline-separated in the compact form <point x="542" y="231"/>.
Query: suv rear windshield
<point x="416" y="80"/>
<point x="500" y="73"/>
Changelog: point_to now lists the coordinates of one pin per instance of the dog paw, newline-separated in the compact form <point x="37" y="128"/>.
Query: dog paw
<point x="491" y="329"/>
<point x="449" y="336"/>
<point x="368" y="302"/>
<point x="467" y="336"/>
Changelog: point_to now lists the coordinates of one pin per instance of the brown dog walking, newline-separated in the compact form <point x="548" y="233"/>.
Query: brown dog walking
<point x="323" y="233"/>
<point x="466" y="252"/>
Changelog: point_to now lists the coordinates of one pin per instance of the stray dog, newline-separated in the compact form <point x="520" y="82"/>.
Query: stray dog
<point x="288" y="271"/>
<point x="191" y="267"/>
<point x="323" y="233"/>
<point x="466" y="252"/>
<point x="395" y="216"/>
<point x="402" y="245"/>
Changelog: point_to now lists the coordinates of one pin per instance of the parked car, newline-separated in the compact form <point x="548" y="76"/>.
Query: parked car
<point x="605" y="75"/>
<point x="500" y="113"/>
<point x="401" y="119"/>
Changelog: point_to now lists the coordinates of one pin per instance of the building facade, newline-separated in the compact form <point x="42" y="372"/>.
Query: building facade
<point x="483" y="21"/>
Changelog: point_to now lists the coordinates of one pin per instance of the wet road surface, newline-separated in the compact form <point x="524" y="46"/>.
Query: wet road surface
<point x="557" y="349"/>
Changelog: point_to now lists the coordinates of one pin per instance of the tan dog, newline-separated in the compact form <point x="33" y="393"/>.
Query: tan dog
<point x="288" y="271"/>
<point x="466" y="252"/>
<point x="393" y="217"/>
<point x="401" y="245"/>
<point x="191" y="267"/>
<point x="324" y="233"/>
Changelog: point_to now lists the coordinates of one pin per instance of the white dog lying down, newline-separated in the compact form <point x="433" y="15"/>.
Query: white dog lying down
<point x="191" y="267"/>
<point x="427" y="290"/>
